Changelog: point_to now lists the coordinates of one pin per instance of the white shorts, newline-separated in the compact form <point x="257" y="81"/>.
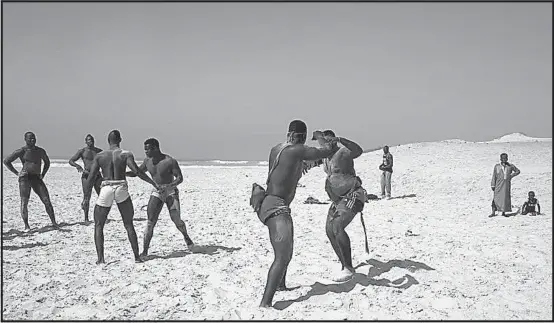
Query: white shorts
<point x="110" y="191"/>
<point x="163" y="197"/>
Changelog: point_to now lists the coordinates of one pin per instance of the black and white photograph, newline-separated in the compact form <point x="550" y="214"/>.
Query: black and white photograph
<point x="236" y="161"/>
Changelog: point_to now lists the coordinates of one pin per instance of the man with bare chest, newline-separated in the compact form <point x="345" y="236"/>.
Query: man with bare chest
<point x="165" y="171"/>
<point x="87" y="155"/>
<point x="31" y="176"/>
<point x="113" y="163"/>
<point x="345" y="189"/>
<point x="286" y="166"/>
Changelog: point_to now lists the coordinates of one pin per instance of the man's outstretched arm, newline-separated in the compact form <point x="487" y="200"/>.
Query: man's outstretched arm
<point x="133" y="174"/>
<point x="140" y="173"/>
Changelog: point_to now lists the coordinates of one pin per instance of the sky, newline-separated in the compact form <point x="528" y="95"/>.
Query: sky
<point x="223" y="80"/>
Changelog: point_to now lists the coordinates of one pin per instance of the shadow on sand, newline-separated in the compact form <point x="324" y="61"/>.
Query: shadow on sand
<point x="198" y="249"/>
<point x="25" y="246"/>
<point x="377" y="269"/>
<point x="402" y="197"/>
<point x="14" y="233"/>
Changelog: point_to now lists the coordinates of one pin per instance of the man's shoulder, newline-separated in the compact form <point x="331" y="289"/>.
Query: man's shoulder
<point x="169" y="158"/>
<point x="20" y="150"/>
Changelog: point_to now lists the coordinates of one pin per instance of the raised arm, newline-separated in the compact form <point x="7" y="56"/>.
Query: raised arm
<point x="142" y="167"/>
<point x="137" y="170"/>
<point x="355" y="149"/>
<point x="9" y="160"/>
<point x="314" y="154"/>
<point x="74" y="158"/>
<point x="46" y="161"/>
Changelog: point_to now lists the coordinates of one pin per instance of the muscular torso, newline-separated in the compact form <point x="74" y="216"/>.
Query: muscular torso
<point x="87" y="155"/>
<point x="161" y="170"/>
<point x="286" y="175"/>
<point x="113" y="163"/>
<point x="31" y="159"/>
<point x="340" y="163"/>
<point x="341" y="176"/>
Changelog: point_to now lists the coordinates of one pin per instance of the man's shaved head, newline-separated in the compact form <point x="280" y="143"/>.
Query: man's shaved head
<point x="114" y="137"/>
<point x="298" y="126"/>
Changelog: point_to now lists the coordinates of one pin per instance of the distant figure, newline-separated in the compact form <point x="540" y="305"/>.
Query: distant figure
<point x="165" y="171"/>
<point x="501" y="184"/>
<point x="529" y="206"/>
<point x="345" y="189"/>
<point x="114" y="188"/>
<point x="286" y="165"/>
<point x="386" y="167"/>
<point x="87" y="155"/>
<point x="30" y="176"/>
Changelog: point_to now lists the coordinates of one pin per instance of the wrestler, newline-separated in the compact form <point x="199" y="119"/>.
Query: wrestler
<point x="87" y="155"/>
<point x="345" y="190"/>
<point x="30" y="176"/>
<point x="113" y="188"/>
<point x="165" y="171"/>
<point x="286" y="164"/>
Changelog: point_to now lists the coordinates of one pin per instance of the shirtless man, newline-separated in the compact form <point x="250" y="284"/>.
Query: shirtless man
<point x="30" y="176"/>
<point x="286" y="164"/>
<point x="345" y="189"/>
<point x="165" y="171"/>
<point x="114" y="187"/>
<point x="87" y="155"/>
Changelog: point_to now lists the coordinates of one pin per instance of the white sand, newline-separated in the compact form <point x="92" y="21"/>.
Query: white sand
<point x="456" y="264"/>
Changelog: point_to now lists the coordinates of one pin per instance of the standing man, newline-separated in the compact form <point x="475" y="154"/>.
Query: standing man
<point x="87" y="155"/>
<point x="286" y="164"/>
<point x="30" y="176"/>
<point x="386" y="167"/>
<point x="165" y="171"/>
<point x="114" y="188"/>
<point x="345" y="189"/>
<point x="501" y="185"/>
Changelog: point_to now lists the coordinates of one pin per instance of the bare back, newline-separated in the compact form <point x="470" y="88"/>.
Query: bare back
<point x="113" y="163"/>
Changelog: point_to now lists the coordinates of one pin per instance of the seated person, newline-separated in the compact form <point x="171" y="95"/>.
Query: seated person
<point x="529" y="206"/>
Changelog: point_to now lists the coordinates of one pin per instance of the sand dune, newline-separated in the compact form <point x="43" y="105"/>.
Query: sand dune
<point x="434" y="254"/>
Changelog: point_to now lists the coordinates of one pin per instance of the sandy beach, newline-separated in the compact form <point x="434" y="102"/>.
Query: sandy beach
<point x="433" y="252"/>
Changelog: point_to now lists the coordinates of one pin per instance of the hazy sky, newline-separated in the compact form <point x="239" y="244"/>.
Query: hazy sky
<point x="223" y="80"/>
